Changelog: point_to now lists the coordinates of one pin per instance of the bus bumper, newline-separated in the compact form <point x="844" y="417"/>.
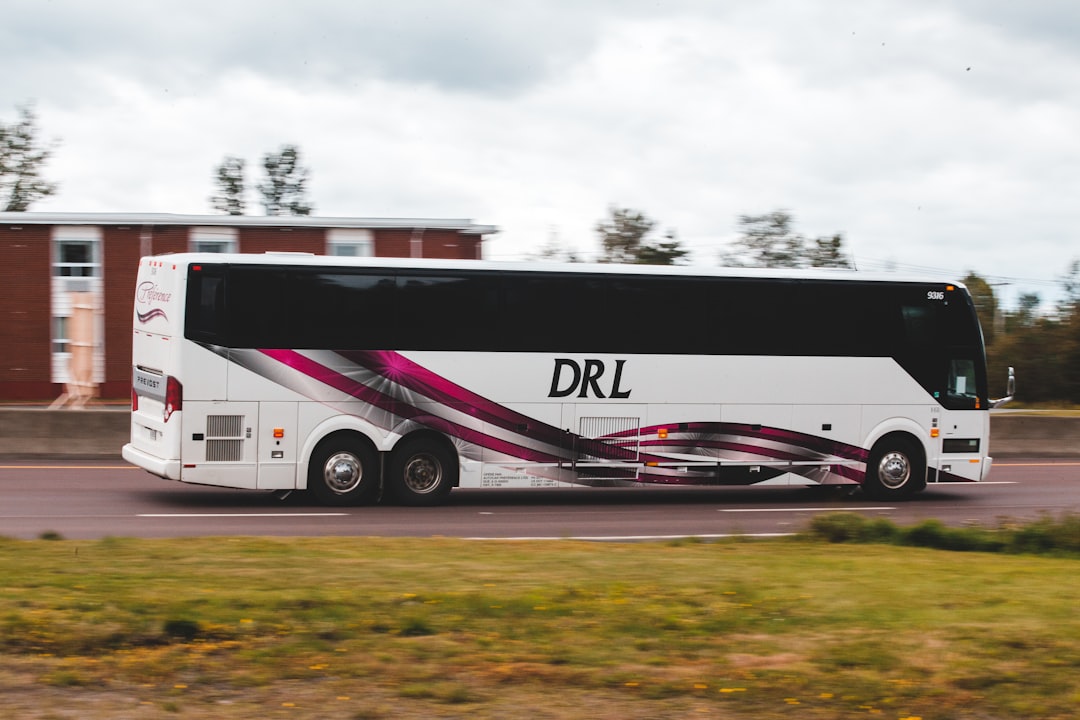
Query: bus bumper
<point x="168" y="469"/>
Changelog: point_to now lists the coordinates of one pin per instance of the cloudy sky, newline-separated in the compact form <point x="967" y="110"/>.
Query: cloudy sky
<point x="936" y="135"/>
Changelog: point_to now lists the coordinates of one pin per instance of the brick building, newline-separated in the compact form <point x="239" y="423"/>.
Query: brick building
<point x="61" y="273"/>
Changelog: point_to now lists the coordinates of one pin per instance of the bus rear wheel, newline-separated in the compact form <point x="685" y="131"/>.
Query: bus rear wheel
<point x="896" y="469"/>
<point x="422" y="472"/>
<point x="343" y="471"/>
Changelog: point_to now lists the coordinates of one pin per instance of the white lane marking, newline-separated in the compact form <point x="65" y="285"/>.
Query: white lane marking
<point x="69" y="467"/>
<point x="802" y="509"/>
<point x="237" y="515"/>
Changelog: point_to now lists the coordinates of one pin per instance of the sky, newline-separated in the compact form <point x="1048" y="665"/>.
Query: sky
<point x="937" y="136"/>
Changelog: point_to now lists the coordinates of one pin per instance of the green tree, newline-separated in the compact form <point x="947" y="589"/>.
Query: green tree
<point x="623" y="240"/>
<point x="828" y="252"/>
<point x="622" y="234"/>
<point x="1044" y="349"/>
<point x="21" y="157"/>
<point x="986" y="305"/>
<point x="229" y="178"/>
<point x="770" y="241"/>
<point x="1026" y="313"/>
<point x="284" y="192"/>
<point x="662" y="253"/>
<point x="1069" y="314"/>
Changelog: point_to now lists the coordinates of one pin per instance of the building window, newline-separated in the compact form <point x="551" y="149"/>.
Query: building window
<point x="350" y="242"/>
<point x="60" y="336"/>
<point x="78" y="323"/>
<point x="76" y="257"/>
<point x="212" y="239"/>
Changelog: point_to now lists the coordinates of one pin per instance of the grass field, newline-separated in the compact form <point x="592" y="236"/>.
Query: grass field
<point x="386" y="628"/>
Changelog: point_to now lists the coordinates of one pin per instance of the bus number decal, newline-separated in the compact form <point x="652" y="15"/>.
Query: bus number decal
<point x="935" y="295"/>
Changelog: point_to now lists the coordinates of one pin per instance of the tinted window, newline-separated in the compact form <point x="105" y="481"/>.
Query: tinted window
<point x="342" y="310"/>
<point x="206" y="305"/>
<point x="259" y="308"/>
<point x="448" y="312"/>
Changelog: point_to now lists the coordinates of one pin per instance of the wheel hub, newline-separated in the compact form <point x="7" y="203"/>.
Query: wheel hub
<point x="894" y="470"/>
<point x="423" y="474"/>
<point x="342" y="472"/>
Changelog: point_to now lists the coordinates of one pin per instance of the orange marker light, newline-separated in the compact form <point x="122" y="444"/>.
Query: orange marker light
<point x="934" y="432"/>
<point x="662" y="433"/>
<point x="279" y="432"/>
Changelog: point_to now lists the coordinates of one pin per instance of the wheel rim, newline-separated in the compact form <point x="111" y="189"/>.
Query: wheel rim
<point x="343" y="472"/>
<point x="423" y="473"/>
<point x="894" y="470"/>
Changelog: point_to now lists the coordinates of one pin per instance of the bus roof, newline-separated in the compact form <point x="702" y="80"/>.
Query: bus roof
<point x="393" y="263"/>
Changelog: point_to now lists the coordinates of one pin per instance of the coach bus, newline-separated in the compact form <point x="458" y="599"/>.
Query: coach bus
<point x="359" y="379"/>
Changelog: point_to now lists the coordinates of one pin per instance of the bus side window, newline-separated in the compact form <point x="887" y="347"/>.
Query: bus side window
<point x="206" y="305"/>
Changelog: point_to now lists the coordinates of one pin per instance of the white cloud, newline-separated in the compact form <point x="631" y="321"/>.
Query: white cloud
<point x="931" y="134"/>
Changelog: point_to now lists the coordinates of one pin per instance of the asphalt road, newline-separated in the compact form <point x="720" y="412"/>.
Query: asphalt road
<point x="89" y="501"/>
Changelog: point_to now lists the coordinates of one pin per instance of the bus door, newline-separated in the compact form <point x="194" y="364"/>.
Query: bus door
<point x="603" y="441"/>
<point x="964" y="424"/>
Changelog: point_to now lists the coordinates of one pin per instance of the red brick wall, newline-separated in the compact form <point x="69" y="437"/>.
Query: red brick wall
<point x="120" y="258"/>
<point x="392" y="243"/>
<point x="25" y="310"/>
<point x="165" y="239"/>
<point x="449" y="244"/>
<point x="442" y="244"/>
<point x="259" y="240"/>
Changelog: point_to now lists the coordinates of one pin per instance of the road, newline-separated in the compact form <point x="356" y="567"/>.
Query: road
<point x="90" y="501"/>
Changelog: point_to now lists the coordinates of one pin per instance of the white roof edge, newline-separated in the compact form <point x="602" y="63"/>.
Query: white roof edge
<point x="72" y="218"/>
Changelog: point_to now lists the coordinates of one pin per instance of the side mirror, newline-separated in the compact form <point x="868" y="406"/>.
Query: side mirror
<point x="1010" y="390"/>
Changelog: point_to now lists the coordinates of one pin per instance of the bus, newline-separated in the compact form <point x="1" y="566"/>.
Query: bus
<point x="363" y="379"/>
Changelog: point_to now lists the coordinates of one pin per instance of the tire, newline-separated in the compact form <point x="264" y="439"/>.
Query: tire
<point x="344" y="470"/>
<point x="423" y="471"/>
<point x="895" y="470"/>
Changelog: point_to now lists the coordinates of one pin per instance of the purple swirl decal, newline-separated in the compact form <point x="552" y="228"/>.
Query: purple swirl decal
<point x="148" y="316"/>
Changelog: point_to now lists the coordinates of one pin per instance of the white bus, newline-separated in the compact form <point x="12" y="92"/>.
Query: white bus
<point x="360" y="378"/>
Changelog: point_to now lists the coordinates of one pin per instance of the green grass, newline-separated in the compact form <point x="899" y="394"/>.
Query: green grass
<point x="410" y="628"/>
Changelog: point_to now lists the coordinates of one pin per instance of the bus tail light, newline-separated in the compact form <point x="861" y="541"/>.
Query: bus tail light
<point x="174" y="396"/>
<point x="134" y="400"/>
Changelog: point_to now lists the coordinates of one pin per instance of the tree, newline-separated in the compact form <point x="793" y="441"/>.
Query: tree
<point x="621" y="235"/>
<point x="769" y="241"/>
<point x="662" y="253"/>
<point x="283" y="191"/>
<point x="1025" y="314"/>
<point x="828" y="252"/>
<point x="986" y="305"/>
<point x="229" y="177"/>
<point x="1070" y="283"/>
<point x="1044" y="349"/>
<point x="622" y="240"/>
<point x="21" y="158"/>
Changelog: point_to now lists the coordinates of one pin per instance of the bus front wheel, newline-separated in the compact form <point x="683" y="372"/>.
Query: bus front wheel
<point x="895" y="470"/>
<point x="343" y="471"/>
<point x="422" y="472"/>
